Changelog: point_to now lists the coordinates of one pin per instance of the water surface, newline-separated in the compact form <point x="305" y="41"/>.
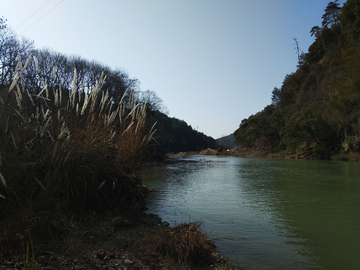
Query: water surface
<point x="266" y="213"/>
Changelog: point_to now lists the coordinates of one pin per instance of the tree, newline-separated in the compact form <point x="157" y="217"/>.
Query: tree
<point x="332" y="14"/>
<point x="276" y="96"/>
<point x="153" y="101"/>
<point x="315" y="31"/>
<point x="10" y="48"/>
<point x="118" y="83"/>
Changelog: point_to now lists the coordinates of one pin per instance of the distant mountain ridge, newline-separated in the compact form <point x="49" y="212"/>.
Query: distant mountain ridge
<point x="227" y="141"/>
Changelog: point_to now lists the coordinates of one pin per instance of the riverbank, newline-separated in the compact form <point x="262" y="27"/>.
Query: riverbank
<point x="267" y="153"/>
<point x="126" y="239"/>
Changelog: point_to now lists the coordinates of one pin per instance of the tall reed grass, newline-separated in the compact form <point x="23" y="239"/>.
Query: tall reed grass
<point x="69" y="150"/>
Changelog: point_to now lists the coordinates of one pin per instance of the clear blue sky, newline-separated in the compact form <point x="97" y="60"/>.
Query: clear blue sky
<point x="213" y="62"/>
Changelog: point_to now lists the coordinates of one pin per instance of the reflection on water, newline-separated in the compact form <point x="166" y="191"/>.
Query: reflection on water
<point x="266" y="214"/>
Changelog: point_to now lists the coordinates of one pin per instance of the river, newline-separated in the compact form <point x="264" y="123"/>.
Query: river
<point x="265" y="213"/>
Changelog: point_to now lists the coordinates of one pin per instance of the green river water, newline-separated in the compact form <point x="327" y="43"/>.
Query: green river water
<point x="265" y="213"/>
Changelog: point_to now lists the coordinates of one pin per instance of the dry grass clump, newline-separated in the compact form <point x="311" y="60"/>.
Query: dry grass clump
<point x="68" y="150"/>
<point x="187" y="245"/>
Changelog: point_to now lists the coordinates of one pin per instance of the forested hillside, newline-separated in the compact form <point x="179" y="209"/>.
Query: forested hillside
<point x="174" y="135"/>
<point x="316" y="110"/>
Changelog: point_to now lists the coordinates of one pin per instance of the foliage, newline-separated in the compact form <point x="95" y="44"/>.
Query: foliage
<point x="350" y="19"/>
<point x="344" y="102"/>
<point x="305" y="126"/>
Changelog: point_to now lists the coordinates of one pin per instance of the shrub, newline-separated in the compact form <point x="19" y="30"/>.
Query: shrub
<point x="67" y="149"/>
